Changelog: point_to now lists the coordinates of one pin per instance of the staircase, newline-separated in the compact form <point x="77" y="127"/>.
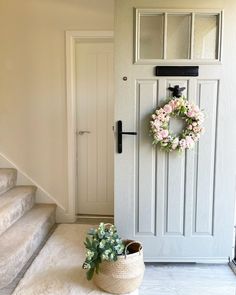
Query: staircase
<point x="24" y="225"/>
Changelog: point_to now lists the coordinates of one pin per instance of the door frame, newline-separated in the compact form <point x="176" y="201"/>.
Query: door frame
<point x="71" y="38"/>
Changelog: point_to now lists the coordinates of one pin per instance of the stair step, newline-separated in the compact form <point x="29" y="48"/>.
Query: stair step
<point x="20" y="241"/>
<point x="14" y="204"/>
<point x="7" y="179"/>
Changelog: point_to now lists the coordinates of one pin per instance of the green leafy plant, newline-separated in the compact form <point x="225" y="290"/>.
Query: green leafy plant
<point x="102" y="244"/>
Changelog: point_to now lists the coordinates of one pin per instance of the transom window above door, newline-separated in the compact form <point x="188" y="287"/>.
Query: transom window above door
<point x="178" y="36"/>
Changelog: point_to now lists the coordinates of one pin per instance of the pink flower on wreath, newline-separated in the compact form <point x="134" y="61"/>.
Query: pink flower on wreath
<point x="158" y="137"/>
<point x="190" y="114"/>
<point x="172" y="104"/>
<point x="157" y="124"/>
<point x="168" y="108"/>
<point x="196" y="108"/>
<point x="161" y="117"/>
<point x="189" y="142"/>
<point x="164" y="133"/>
<point x="197" y="129"/>
<point x="200" y="117"/>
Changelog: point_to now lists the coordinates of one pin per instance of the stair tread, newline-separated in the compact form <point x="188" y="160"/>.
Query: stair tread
<point x="7" y="179"/>
<point x="20" y="241"/>
<point x="14" y="194"/>
<point x="25" y="226"/>
<point x="14" y="204"/>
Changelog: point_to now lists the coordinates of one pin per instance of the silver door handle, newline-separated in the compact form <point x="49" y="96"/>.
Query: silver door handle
<point x="82" y="132"/>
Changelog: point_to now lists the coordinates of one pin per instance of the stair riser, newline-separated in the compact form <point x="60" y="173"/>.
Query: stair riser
<point x="7" y="179"/>
<point x="12" y="267"/>
<point x="17" y="210"/>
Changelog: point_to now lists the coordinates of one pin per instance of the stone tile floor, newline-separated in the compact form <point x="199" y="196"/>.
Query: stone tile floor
<point x="188" y="279"/>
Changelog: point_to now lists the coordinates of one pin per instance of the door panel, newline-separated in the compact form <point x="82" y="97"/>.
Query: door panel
<point x="174" y="195"/>
<point x="94" y="72"/>
<point x="205" y="158"/>
<point x="146" y="164"/>
<point x="180" y="206"/>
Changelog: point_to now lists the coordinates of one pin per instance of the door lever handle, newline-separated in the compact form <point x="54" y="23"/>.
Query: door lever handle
<point x="81" y="132"/>
<point x="119" y="136"/>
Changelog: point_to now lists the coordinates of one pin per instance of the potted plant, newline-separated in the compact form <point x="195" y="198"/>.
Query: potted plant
<point x="116" y="265"/>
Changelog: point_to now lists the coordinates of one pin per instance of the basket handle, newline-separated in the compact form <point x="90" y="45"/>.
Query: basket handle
<point x="130" y="243"/>
<point x="108" y="225"/>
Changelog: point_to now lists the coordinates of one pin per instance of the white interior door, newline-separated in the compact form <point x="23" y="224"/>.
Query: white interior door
<point x="95" y="154"/>
<point x="180" y="206"/>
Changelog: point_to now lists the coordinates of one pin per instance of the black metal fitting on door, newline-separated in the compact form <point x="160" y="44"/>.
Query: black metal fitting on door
<point x="119" y="136"/>
<point x="176" y="90"/>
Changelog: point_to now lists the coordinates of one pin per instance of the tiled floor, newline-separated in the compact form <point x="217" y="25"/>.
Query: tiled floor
<point x="188" y="279"/>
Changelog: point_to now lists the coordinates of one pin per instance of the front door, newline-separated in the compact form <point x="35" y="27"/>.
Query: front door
<point x="95" y="103"/>
<point x="180" y="206"/>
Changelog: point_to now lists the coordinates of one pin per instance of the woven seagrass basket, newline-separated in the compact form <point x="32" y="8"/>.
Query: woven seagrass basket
<point x="124" y="275"/>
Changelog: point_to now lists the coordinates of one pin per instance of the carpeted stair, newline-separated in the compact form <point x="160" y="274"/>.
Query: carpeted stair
<point x="24" y="225"/>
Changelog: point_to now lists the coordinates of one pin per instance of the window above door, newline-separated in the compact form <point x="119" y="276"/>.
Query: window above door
<point x="178" y="36"/>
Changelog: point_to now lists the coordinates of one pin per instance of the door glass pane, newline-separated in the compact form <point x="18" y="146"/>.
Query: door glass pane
<point x="151" y="36"/>
<point x="178" y="36"/>
<point x="206" y="36"/>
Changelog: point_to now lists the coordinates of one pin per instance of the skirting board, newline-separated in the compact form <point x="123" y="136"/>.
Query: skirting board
<point x="42" y="196"/>
<point x="64" y="217"/>
<point x="232" y="265"/>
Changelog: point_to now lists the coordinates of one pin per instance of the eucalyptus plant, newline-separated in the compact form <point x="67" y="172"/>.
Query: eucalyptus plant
<point x="102" y="244"/>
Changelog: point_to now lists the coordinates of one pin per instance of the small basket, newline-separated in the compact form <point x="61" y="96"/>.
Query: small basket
<point x="124" y="275"/>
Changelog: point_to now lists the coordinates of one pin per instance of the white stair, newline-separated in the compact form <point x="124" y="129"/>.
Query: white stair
<point x="23" y="225"/>
<point x="7" y="179"/>
<point x="14" y="204"/>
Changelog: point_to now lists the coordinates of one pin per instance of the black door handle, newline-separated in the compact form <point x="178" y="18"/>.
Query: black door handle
<point x="119" y="136"/>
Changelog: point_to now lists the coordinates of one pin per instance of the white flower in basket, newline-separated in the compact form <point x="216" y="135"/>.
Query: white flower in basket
<point x="116" y="265"/>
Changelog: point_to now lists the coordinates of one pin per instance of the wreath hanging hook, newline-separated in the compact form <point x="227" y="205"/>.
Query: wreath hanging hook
<point x="176" y="91"/>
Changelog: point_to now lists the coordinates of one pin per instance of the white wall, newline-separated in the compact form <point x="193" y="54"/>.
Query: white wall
<point x="32" y="83"/>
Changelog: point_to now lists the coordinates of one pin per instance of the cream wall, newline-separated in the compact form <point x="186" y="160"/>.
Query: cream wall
<point x="32" y="83"/>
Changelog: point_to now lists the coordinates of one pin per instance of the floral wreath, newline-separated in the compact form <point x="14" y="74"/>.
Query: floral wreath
<point x="182" y="108"/>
